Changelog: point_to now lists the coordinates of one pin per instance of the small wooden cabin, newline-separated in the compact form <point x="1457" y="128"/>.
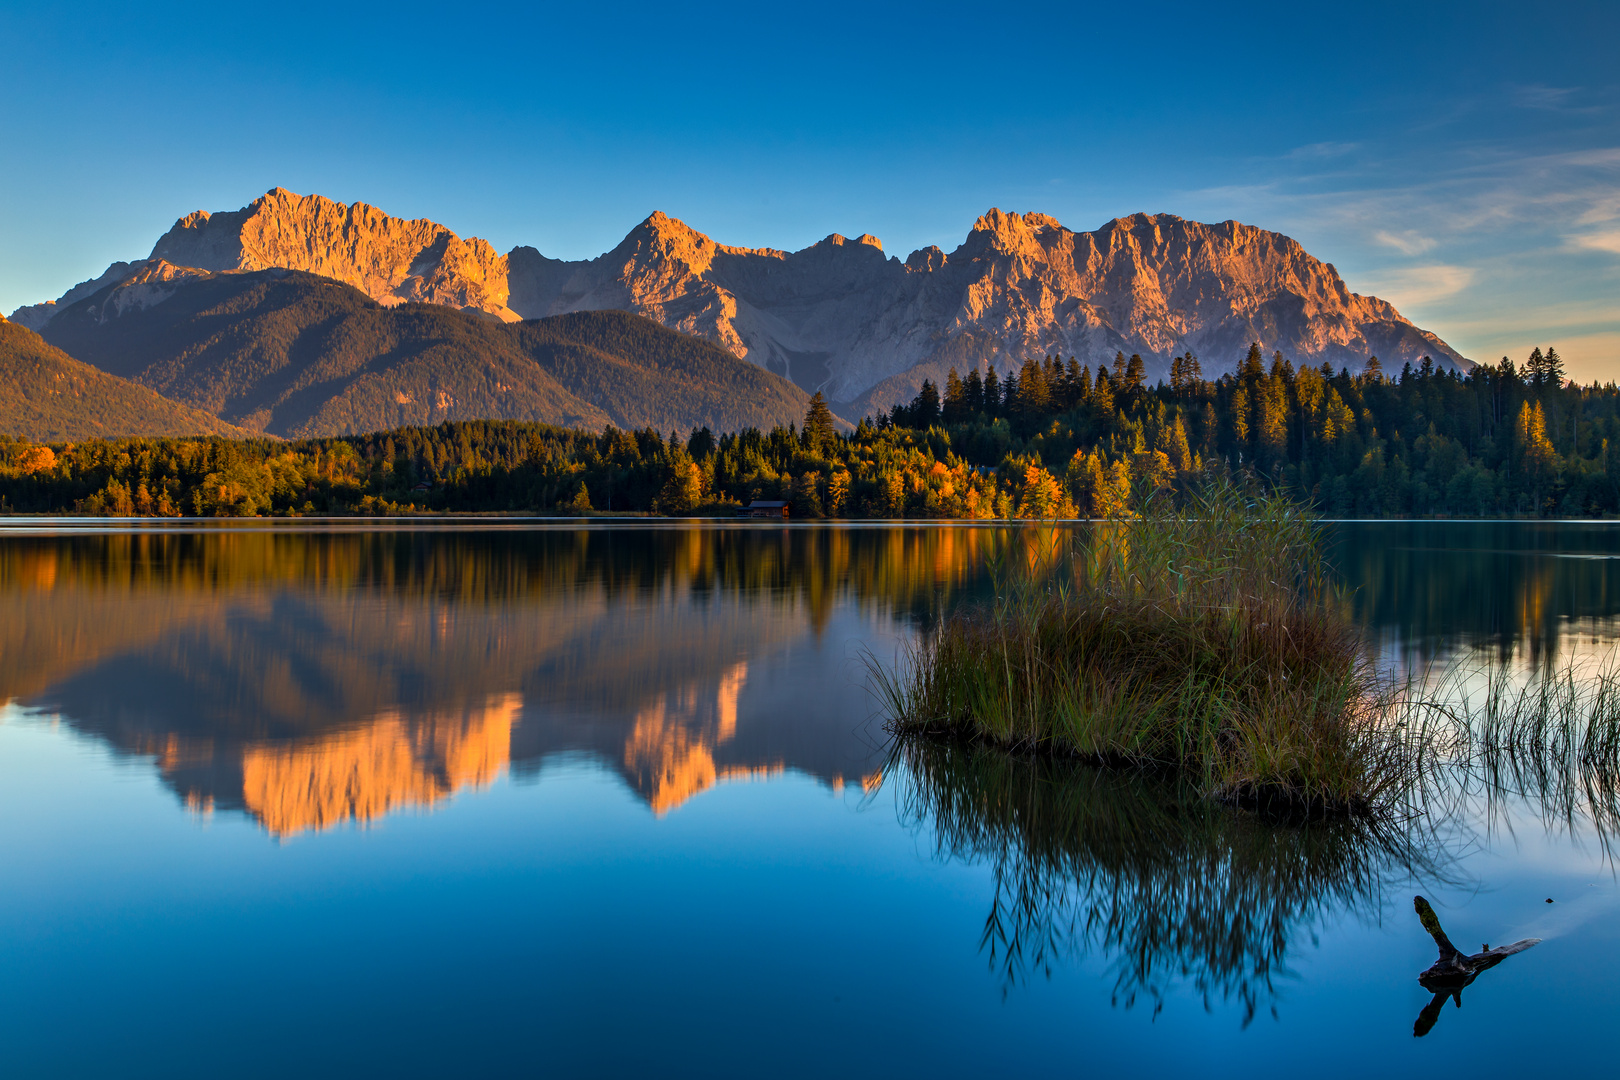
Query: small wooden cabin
<point x="764" y="508"/>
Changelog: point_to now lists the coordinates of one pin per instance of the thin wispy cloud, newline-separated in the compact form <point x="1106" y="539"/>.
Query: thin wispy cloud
<point x="1417" y="286"/>
<point x="1605" y="240"/>
<point x="1409" y="242"/>
<point x="1321" y="150"/>
<point x="1536" y="96"/>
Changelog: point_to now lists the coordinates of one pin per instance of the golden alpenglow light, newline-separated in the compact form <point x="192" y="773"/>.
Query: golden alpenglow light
<point x="391" y="764"/>
<point x="840" y="315"/>
<point x="670" y="752"/>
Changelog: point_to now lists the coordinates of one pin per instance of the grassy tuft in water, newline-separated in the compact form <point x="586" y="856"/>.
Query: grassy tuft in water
<point x="1203" y="637"/>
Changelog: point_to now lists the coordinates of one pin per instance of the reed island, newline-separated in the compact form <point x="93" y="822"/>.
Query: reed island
<point x="1202" y="635"/>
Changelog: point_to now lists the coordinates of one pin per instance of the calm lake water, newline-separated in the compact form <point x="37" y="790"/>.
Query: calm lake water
<point x="363" y="800"/>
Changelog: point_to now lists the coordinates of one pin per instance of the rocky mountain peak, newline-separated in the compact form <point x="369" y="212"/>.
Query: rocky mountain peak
<point x="393" y="260"/>
<point x="839" y="315"/>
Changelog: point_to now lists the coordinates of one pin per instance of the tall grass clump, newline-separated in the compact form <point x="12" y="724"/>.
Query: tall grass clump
<point x="1202" y="635"/>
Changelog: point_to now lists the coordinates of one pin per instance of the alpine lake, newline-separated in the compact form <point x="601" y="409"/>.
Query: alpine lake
<point x="613" y="798"/>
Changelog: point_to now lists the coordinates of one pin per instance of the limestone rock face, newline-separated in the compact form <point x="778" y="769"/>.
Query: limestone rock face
<point x="35" y="316"/>
<point x="150" y="283"/>
<point x="841" y="316"/>
<point x="392" y="260"/>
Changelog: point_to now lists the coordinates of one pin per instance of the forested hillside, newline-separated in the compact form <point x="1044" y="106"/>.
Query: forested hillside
<point x="1502" y="439"/>
<point x="298" y="355"/>
<point x="1048" y="442"/>
<point x="48" y="396"/>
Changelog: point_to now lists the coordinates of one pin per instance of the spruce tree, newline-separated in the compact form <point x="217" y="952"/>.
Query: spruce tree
<point x="1253" y="367"/>
<point x="1535" y="368"/>
<point x="1552" y="366"/>
<point x="819" y="432"/>
<point x="926" y="407"/>
<point x="1135" y="373"/>
<point x="955" y="406"/>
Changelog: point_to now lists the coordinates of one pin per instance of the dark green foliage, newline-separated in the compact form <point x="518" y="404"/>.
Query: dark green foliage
<point x="298" y="355"/>
<point x="47" y="396"/>
<point x="819" y="432"/>
<point x="1431" y="441"/>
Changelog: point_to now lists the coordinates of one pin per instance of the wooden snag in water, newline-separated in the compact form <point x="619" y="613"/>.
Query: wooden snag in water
<point x="1455" y="970"/>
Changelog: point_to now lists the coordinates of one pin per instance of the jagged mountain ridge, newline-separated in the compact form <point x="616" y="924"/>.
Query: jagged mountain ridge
<point x="840" y="315"/>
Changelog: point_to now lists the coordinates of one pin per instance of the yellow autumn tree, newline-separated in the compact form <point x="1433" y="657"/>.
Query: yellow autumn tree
<point x="1538" y="461"/>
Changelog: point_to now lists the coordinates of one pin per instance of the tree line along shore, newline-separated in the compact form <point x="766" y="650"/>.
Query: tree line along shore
<point x="1048" y="440"/>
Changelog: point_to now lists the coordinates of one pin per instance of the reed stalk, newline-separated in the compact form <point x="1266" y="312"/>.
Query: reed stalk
<point x="1202" y="636"/>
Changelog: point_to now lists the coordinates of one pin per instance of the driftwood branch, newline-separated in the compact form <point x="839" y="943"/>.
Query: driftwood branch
<point x="1455" y="970"/>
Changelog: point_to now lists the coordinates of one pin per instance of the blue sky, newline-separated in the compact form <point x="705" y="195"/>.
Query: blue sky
<point x="1462" y="160"/>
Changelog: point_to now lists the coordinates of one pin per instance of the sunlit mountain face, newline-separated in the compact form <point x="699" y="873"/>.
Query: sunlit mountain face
<point x="312" y="680"/>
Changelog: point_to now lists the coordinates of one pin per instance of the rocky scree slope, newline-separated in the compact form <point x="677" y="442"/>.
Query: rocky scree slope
<point x="840" y="315"/>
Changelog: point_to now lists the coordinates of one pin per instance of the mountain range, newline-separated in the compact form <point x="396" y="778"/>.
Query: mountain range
<point x="841" y="316"/>
<point x="295" y="354"/>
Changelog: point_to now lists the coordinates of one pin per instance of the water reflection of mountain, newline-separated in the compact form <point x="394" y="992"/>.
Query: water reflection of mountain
<point x="313" y="679"/>
<point x="1512" y="586"/>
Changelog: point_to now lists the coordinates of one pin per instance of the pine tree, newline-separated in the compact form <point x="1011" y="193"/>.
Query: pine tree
<point x="1135" y="373"/>
<point x="1253" y="368"/>
<point x="819" y="433"/>
<point x="974" y="393"/>
<point x="955" y="405"/>
<point x="1553" y="368"/>
<point x="1175" y="445"/>
<point x="992" y="393"/>
<point x="1009" y="395"/>
<point x="1535" y="368"/>
<point x="1102" y="395"/>
<point x="1537" y="458"/>
<point x="1034" y="396"/>
<point x="1192" y="371"/>
<point x="927" y="406"/>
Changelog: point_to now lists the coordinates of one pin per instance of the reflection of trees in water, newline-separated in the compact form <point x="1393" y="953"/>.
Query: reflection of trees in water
<point x="1172" y="888"/>
<point x="912" y="569"/>
<point x="1512" y="586"/>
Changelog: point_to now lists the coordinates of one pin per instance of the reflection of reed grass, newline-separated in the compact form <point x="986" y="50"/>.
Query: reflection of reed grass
<point x="1141" y="869"/>
<point x="1205" y="637"/>
<point x="1481" y="736"/>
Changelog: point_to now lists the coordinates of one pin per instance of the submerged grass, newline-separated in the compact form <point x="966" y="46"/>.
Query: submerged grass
<point x="1203" y="637"/>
